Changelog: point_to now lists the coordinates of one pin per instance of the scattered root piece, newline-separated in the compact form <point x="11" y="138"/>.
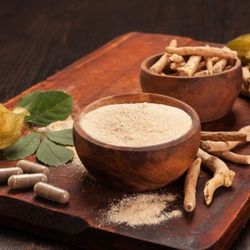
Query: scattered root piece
<point x="220" y="65"/>
<point x="190" y="185"/>
<point x="233" y="157"/>
<point x="190" y="67"/>
<point x="224" y="136"/>
<point x="203" y="51"/>
<point x="223" y="176"/>
<point x="220" y="146"/>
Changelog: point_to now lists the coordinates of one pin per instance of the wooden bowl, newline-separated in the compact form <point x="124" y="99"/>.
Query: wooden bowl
<point x="211" y="96"/>
<point x="141" y="168"/>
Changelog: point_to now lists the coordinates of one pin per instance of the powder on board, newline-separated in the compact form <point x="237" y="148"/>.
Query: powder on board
<point x="142" y="209"/>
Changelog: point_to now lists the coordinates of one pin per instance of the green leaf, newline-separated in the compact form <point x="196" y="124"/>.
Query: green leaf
<point x="25" y="146"/>
<point x="27" y="100"/>
<point x="52" y="154"/>
<point x="47" y="107"/>
<point x="63" y="137"/>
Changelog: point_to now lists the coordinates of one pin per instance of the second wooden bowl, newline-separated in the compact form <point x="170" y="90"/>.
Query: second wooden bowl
<point x="141" y="168"/>
<point x="211" y="96"/>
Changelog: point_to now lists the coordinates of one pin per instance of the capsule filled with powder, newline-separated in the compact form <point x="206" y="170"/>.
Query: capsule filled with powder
<point x="51" y="193"/>
<point x="26" y="180"/>
<point x="5" y="173"/>
<point x="32" y="167"/>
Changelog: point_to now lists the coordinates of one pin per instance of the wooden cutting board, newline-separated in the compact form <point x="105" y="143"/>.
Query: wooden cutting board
<point x="114" y="69"/>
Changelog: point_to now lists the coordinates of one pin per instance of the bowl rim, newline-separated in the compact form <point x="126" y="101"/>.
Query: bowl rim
<point x="185" y="107"/>
<point x="146" y="69"/>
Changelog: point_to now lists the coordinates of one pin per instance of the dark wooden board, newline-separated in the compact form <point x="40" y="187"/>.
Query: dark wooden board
<point x="114" y="69"/>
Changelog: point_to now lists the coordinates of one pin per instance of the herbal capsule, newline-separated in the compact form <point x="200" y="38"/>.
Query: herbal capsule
<point x="5" y="173"/>
<point x="51" y="192"/>
<point x="32" y="167"/>
<point x="25" y="180"/>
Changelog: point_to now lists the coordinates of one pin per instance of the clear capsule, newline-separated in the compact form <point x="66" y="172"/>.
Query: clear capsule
<point x="51" y="192"/>
<point x="32" y="167"/>
<point x="26" y="180"/>
<point x="5" y="173"/>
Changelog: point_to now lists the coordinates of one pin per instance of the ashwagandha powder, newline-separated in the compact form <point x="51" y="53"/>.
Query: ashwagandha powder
<point x="142" y="209"/>
<point x="136" y="124"/>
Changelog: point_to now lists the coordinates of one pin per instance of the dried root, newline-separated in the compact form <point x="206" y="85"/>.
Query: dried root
<point x="220" y="65"/>
<point x="245" y="89"/>
<point x="233" y="157"/>
<point x="159" y="66"/>
<point x="190" y="185"/>
<point x="203" y="51"/>
<point x="223" y="176"/>
<point x="190" y="67"/>
<point x="220" y="146"/>
<point x="224" y="136"/>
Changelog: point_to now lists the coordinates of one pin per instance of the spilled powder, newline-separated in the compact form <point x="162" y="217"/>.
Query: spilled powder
<point x="142" y="209"/>
<point x="136" y="124"/>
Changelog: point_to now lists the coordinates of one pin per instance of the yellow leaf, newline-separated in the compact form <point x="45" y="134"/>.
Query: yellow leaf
<point x="11" y="124"/>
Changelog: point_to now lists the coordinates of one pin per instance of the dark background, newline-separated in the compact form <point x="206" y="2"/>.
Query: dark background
<point x="37" y="38"/>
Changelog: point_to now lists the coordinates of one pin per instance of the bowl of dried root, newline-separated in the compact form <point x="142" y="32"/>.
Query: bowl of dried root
<point x="207" y="78"/>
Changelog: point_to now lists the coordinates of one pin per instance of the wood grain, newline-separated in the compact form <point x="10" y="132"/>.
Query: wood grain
<point x="50" y="36"/>
<point x="100" y="74"/>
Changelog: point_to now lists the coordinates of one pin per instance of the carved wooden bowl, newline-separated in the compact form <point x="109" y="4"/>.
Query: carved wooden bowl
<point x="141" y="168"/>
<point x="211" y="96"/>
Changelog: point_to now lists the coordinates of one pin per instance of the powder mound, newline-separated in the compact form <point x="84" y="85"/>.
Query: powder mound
<point x="142" y="209"/>
<point x="136" y="124"/>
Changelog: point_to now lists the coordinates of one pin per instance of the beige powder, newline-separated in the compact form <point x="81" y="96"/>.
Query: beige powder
<point x="142" y="209"/>
<point x="136" y="124"/>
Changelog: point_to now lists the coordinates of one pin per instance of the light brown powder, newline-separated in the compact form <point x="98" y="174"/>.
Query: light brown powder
<point x="136" y="124"/>
<point x="142" y="209"/>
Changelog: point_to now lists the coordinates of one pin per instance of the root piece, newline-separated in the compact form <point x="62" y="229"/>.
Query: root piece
<point x="176" y="58"/>
<point x="219" y="146"/>
<point x="190" y="67"/>
<point x="215" y="59"/>
<point x="224" y="136"/>
<point x="233" y="157"/>
<point x="159" y="66"/>
<point x="190" y="185"/>
<point x="203" y="51"/>
<point x="246" y="73"/>
<point x="223" y="176"/>
<point x="245" y="88"/>
<point x="173" y="43"/>
<point x="202" y="73"/>
<point x="209" y="65"/>
<point x="174" y="65"/>
<point x="220" y="65"/>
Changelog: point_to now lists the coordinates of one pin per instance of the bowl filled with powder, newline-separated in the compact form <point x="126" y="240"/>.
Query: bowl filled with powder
<point x="137" y="142"/>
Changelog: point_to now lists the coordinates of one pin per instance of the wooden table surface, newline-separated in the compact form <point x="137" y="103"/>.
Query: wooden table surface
<point x="38" y="38"/>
